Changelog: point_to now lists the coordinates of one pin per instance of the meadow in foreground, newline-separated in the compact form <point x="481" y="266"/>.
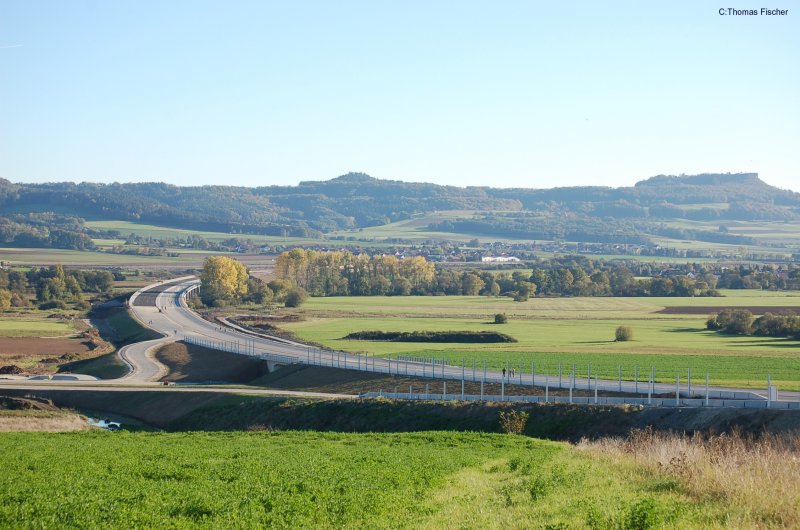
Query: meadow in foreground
<point x="309" y="479"/>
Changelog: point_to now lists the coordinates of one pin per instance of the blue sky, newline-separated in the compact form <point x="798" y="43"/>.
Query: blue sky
<point x="533" y="94"/>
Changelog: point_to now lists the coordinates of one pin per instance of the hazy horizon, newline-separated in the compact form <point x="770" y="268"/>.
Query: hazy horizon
<point x="378" y="178"/>
<point x="515" y="94"/>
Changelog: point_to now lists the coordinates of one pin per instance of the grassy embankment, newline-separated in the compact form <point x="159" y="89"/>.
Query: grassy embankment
<point x="569" y="330"/>
<point x="308" y="479"/>
<point x="21" y="414"/>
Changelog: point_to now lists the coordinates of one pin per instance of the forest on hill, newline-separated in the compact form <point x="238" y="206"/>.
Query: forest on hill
<point x="51" y="214"/>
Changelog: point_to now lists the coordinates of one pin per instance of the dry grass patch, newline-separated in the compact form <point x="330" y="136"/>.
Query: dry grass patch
<point x="755" y="477"/>
<point x="40" y="421"/>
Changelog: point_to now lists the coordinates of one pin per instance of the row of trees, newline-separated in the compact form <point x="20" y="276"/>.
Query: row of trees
<point x="742" y="322"/>
<point x="342" y="273"/>
<point x="345" y="273"/>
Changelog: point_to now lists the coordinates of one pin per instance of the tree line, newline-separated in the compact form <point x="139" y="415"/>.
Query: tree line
<point x="341" y="273"/>
<point x="44" y="230"/>
<point x="742" y="322"/>
<point x="51" y="287"/>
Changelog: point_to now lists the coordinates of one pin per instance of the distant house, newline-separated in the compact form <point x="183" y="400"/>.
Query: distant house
<point x="499" y="259"/>
<point x="674" y="273"/>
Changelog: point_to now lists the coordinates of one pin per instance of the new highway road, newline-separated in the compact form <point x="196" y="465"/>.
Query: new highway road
<point x="163" y="308"/>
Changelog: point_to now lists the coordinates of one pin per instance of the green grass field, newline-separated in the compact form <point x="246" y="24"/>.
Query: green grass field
<point x="47" y="256"/>
<point x="314" y="480"/>
<point x="161" y="232"/>
<point x="35" y="328"/>
<point x="767" y="231"/>
<point x="553" y="331"/>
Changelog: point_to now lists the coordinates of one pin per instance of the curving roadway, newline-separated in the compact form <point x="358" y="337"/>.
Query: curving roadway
<point x="162" y="307"/>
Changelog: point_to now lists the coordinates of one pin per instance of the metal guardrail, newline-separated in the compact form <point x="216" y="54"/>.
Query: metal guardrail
<point x="412" y="366"/>
<point x="587" y="400"/>
<point x="440" y="370"/>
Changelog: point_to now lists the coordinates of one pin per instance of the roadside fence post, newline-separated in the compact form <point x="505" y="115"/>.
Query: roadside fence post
<point x="653" y="379"/>
<point x="589" y="377"/>
<point x="706" y="389"/>
<point x="546" y="387"/>
<point x="444" y="390"/>
<point x="572" y="387"/>
<point x="481" y="390"/>
<point x="462" y="379"/>
<point x="533" y="375"/>
<point x="595" y="388"/>
<point x="769" y="390"/>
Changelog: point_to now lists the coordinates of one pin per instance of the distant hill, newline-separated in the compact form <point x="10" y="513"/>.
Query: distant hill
<point x="357" y="200"/>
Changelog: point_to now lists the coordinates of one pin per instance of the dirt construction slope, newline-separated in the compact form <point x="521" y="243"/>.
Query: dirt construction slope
<point x="189" y="363"/>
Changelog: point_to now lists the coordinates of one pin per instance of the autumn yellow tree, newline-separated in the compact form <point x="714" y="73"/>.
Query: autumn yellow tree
<point x="5" y="299"/>
<point x="223" y="280"/>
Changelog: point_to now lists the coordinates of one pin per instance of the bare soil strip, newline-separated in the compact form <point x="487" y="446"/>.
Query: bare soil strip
<point x="709" y="309"/>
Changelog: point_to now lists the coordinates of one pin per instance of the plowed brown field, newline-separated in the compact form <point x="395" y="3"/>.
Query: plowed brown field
<point x="13" y="348"/>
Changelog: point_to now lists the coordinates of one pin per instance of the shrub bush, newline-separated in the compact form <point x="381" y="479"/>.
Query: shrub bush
<point x="732" y="321"/>
<point x="500" y="318"/>
<point x="296" y="297"/>
<point x="623" y="333"/>
<point x="513" y="421"/>
<point x="82" y="305"/>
